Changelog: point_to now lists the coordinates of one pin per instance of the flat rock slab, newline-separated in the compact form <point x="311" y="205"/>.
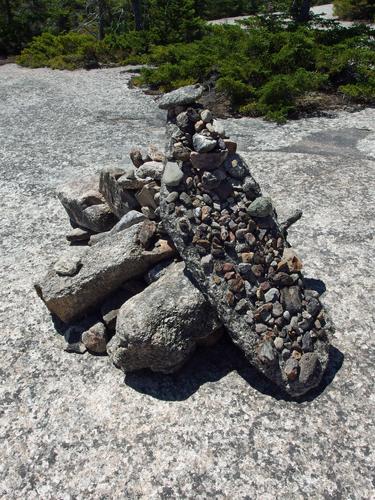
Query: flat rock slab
<point x="104" y="267"/>
<point x="159" y="328"/>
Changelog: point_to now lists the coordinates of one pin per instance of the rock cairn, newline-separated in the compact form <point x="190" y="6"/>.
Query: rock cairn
<point x="236" y="250"/>
<point x="170" y="248"/>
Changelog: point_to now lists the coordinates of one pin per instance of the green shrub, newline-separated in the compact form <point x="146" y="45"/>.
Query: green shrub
<point x="264" y="70"/>
<point x="69" y="51"/>
<point x="355" y="9"/>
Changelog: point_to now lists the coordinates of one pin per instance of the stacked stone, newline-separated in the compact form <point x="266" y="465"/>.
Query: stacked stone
<point x="236" y="250"/>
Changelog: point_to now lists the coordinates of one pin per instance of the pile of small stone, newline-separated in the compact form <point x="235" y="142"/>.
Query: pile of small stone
<point x="237" y="252"/>
<point x="122" y="288"/>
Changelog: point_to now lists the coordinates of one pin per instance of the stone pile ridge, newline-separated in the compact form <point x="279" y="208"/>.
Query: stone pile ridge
<point x="174" y="249"/>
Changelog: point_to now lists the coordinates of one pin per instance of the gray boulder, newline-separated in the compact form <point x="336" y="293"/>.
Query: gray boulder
<point x="181" y="97"/>
<point x="85" y="205"/>
<point x="160" y="327"/>
<point x="104" y="267"/>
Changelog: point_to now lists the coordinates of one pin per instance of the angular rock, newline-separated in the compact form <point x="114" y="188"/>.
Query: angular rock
<point x="172" y="175"/>
<point x="95" y="338"/>
<point x="120" y="200"/>
<point x="203" y="144"/>
<point x="146" y="196"/>
<point x="235" y="166"/>
<point x="180" y="152"/>
<point x="181" y="97"/>
<point x="136" y="157"/>
<point x="85" y="205"/>
<point x="261" y="207"/>
<point x="290" y="261"/>
<point x="159" y="328"/>
<point x="291" y="299"/>
<point x="78" y="235"/>
<point x="128" y="220"/>
<point x="310" y="368"/>
<point x="151" y="169"/>
<point x="206" y="116"/>
<point x="105" y="266"/>
<point x="155" y="154"/>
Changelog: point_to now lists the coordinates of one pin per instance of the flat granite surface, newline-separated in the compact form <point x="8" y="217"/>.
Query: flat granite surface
<point x="71" y="427"/>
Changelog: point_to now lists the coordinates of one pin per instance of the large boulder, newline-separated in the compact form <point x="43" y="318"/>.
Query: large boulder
<point x="102" y="269"/>
<point x="86" y="206"/>
<point x="160" y="327"/>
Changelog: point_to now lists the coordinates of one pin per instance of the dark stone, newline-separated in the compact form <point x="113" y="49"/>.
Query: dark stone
<point x="208" y="161"/>
<point x="291" y="299"/>
<point x="291" y="367"/>
<point x="310" y="367"/>
<point x="147" y="233"/>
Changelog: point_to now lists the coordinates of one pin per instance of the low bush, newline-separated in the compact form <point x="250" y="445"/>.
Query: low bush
<point x="264" y="70"/>
<point x="69" y="51"/>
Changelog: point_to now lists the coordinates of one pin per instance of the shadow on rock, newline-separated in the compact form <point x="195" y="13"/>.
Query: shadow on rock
<point x="214" y="363"/>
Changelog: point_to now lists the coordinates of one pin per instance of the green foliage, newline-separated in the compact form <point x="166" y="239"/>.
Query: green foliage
<point x="264" y="70"/>
<point x="61" y="51"/>
<point x="355" y="9"/>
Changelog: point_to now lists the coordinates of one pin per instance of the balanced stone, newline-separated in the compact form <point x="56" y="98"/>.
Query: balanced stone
<point x="181" y="97"/>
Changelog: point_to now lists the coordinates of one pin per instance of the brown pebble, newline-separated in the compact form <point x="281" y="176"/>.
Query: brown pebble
<point x="230" y="298"/>
<point x="216" y="280"/>
<point x="247" y="257"/>
<point x="237" y="284"/>
<point x="227" y="267"/>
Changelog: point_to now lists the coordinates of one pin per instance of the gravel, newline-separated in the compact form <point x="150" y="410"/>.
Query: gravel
<point x="70" y="426"/>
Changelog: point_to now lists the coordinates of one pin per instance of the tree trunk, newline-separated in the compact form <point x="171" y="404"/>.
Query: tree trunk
<point x="136" y="5"/>
<point x="300" y="10"/>
<point x="8" y="12"/>
<point x="101" y="9"/>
